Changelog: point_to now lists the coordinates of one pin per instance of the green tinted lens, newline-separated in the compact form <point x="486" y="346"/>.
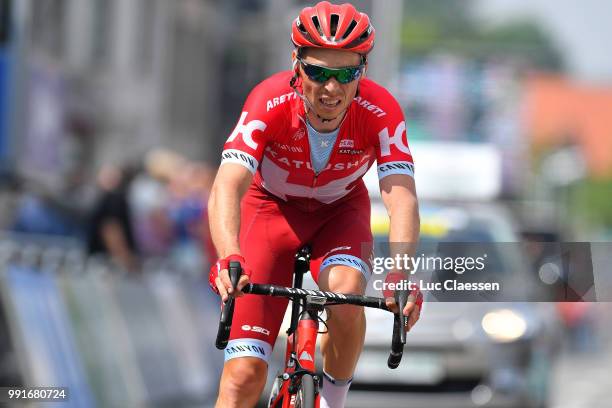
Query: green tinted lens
<point x="322" y="74"/>
<point x="315" y="72"/>
<point x="346" y="75"/>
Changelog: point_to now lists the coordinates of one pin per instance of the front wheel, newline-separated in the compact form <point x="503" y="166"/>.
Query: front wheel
<point x="306" y="396"/>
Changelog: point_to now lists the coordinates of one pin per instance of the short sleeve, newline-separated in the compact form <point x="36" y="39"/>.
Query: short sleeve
<point x="388" y="133"/>
<point x="246" y="143"/>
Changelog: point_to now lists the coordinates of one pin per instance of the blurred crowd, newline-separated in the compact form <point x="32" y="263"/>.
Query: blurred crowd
<point x="152" y="208"/>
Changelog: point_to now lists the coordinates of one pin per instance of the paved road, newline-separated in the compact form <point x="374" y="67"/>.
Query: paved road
<point x="584" y="381"/>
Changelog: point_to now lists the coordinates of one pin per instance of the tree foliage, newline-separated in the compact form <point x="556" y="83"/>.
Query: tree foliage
<point x="447" y="26"/>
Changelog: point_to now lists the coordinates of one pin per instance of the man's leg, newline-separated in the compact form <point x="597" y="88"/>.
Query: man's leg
<point x="242" y="382"/>
<point x="342" y="344"/>
<point x="341" y="252"/>
<point x="254" y="329"/>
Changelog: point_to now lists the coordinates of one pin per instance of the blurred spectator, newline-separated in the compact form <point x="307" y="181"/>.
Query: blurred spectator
<point x="189" y="189"/>
<point x="110" y="225"/>
<point x="148" y="197"/>
<point x="169" y="202"/>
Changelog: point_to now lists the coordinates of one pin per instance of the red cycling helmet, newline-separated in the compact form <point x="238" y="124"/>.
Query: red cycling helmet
<point x="337" y="27"/>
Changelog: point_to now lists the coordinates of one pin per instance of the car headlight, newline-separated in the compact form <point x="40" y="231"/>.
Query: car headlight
<point x="504" y="325"/>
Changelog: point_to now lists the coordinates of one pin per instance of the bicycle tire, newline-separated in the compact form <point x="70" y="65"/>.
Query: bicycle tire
<point x="305" y="397"/>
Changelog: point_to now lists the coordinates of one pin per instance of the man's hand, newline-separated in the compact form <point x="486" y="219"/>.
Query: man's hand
<point x="412" y="309"/>
<point x="219" y="278"/>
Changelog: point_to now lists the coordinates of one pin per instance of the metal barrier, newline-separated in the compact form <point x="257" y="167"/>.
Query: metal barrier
<point x="112" y="338"/>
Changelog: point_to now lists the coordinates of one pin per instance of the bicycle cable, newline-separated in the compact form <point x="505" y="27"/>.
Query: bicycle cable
<point x="319" y="320"/>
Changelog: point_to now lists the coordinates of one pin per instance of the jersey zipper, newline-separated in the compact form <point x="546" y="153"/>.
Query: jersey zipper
<point x="332" y="156"/>
<point x="311" y="197"/>
<point x="313" y="184"/>
<point x="336" y="147"/>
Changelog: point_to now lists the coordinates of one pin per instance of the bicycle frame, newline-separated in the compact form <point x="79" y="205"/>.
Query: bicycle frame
<point x="300" y="354"/>
<point x="299" y="360"/>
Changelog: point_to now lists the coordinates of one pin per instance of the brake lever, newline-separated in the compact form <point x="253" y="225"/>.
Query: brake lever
<point x="401" y="297"/>
<point x="227" y="308"/>
<point x="399" y="334"/>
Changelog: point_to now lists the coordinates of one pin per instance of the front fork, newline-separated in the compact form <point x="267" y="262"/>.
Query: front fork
<point x="300" y="355"/>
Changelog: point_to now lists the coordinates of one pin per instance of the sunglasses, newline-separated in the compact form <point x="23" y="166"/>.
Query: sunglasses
<point x="321" y="74"/>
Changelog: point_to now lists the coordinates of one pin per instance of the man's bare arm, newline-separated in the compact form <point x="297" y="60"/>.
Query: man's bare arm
<point x="399" y="196"/>
<point x="231" y="183"/>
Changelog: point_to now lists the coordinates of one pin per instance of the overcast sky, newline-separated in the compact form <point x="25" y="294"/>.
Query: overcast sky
<point x="582" y="30"/>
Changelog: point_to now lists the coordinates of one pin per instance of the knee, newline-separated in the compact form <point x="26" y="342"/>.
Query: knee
<point x="342" y="279"/>
<point x="243" y="377"/>
<point x="345" y="317"/>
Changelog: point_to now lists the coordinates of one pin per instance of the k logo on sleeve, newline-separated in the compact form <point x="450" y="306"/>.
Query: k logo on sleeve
<point x="246" y="130"/>
<point x="397" y="139"/>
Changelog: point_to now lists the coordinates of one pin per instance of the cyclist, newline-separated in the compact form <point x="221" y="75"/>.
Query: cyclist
<point x="291" y="174"/>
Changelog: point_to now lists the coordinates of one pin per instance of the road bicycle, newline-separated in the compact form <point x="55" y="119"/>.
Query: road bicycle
<point x="297" y="386"/>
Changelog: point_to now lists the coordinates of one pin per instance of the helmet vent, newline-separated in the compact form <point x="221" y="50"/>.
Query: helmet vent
<point x="333" y="24"/>
<point x="350" y="29"/>
<point x="315" y="21"/>
<point x="365" y="34"/>
<point x="359" y="40"/>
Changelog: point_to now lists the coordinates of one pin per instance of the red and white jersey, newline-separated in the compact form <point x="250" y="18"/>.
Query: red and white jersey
<point x="271" y="140"/>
